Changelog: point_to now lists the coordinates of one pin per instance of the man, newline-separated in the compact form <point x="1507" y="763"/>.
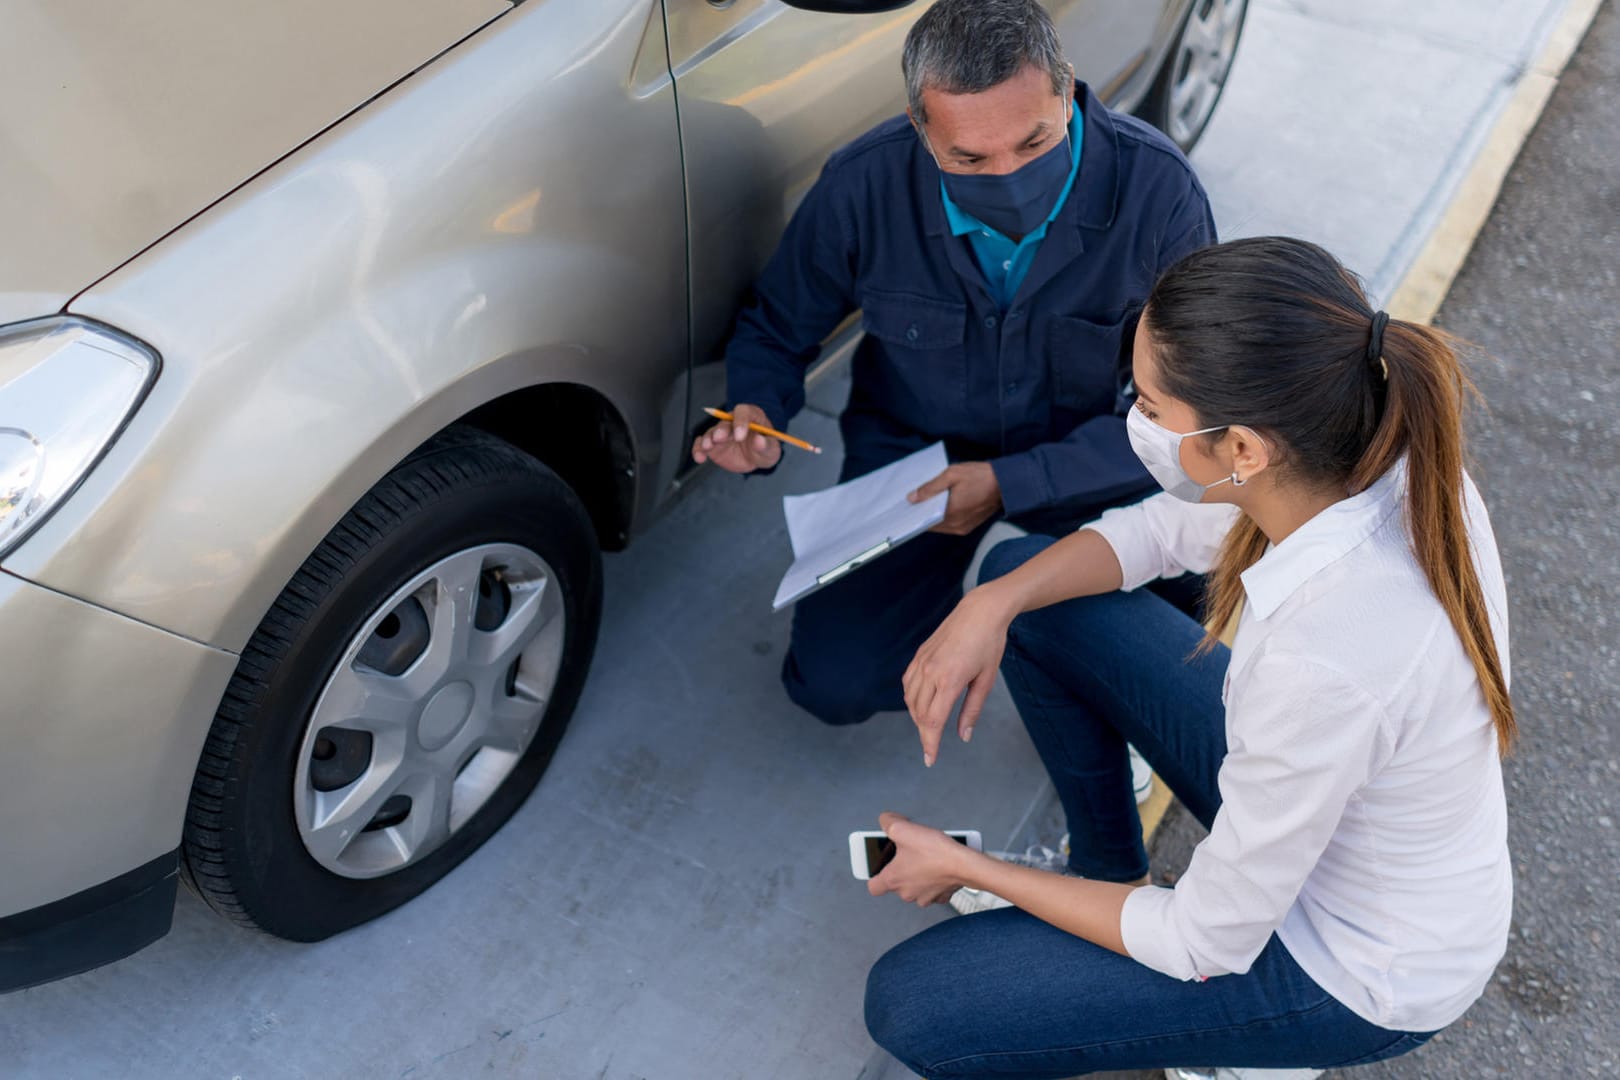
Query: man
<point x="999" y="240"/>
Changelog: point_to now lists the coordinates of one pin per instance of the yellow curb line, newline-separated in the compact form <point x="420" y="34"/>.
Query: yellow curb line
<point x="1430" y="277"/>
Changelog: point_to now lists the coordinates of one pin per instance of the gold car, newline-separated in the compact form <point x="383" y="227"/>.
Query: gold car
<point x="337" y="340"/>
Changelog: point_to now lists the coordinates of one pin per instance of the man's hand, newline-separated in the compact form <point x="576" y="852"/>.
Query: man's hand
<point x="928" y="865"/>
<point x="975" y="496"/>
<point x="733" y="447"/>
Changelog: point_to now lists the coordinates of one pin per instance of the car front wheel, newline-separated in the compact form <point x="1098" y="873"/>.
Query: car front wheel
<point x="402" y="697"/>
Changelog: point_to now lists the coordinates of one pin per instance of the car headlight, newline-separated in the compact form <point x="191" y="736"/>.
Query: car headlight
<point x="67" y="387"/>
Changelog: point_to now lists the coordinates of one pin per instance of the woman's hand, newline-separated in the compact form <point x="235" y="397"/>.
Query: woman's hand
<point x="963" y="654"/>
<point x="928" y="866"/>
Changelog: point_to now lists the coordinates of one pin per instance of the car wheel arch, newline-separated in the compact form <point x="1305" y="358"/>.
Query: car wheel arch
<point x="552" y="422"/>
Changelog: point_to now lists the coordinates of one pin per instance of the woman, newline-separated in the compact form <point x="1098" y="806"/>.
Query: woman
<point x="1353" y="894"/>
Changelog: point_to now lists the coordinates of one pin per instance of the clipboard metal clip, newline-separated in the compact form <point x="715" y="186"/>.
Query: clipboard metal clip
<point x="853" y="564"/>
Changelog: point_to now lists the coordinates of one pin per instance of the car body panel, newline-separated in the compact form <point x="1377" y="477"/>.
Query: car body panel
<point x="120" y="121"/>
<point x="1109" y="43"/>
<point x="101" y="740"/>
<point x="508" y="216"/>
<point x="768" y="91"/>
<point x="828" y="78"/>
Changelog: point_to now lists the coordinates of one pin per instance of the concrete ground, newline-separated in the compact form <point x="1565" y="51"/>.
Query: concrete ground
<point x="675" y="900"/>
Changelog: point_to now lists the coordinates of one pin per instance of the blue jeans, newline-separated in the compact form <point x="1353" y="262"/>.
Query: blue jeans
<point x="1003" y="994"/>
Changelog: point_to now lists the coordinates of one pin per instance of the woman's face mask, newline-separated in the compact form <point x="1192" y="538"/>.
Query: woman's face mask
<point x="1160" y="451"/>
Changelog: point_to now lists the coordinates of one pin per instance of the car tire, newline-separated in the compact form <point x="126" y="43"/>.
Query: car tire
<point x="464" y="504"/>
<point x="1193" y="76"/>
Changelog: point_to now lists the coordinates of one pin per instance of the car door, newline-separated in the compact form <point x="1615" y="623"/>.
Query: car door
<point x="766" y="93"/>
<point x="1108" y="41"/>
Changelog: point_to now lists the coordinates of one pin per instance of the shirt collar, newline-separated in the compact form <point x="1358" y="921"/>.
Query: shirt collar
<point x="1321" y="542"/>
<point x="961" y="223"/>
<point x="1097" y="200"/>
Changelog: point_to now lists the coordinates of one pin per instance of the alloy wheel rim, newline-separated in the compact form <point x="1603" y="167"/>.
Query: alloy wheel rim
<point x="431" y="706"/>
<point x="1203" y="60"/>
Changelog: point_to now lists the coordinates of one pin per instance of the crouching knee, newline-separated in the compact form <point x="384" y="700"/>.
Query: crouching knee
<point x="896" y="1015"/>
<point x="833" y="701"/>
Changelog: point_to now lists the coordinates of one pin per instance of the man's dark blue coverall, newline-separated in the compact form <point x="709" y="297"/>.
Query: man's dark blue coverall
<point x="1037" y="388"/>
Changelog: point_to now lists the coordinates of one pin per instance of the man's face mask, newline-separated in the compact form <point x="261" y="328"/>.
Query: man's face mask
<point x="1160" y="451"/>
<point x="1014" y="203"/>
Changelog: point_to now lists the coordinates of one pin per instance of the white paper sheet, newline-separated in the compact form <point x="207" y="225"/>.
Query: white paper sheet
<point x="865" y="517"/>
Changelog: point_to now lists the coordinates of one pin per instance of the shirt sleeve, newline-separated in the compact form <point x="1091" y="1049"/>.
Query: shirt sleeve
<point x="1302" y="740"/>
<point x="804" y="292"/>
<point x="1164" y="537"/>
<point x="1094" y="463"/>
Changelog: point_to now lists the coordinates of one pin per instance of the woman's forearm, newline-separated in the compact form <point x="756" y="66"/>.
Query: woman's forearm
<point x="1080" y="564"/>
<point x="1086" y="909"/>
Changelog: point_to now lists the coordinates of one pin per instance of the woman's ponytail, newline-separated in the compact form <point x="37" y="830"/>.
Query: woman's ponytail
<point x="1271" y="333"/>
<point x="1423" y="394"/>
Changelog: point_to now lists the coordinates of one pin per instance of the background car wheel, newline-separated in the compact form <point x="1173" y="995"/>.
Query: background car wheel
<point x="1189" y="84"/>
<point x="402" y="697"/>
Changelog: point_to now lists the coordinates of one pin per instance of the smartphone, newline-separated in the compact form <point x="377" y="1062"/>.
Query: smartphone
<point x="870" y="852"/>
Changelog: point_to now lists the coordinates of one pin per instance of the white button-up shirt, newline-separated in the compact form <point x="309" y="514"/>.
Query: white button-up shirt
<point x="1362" y="815"/>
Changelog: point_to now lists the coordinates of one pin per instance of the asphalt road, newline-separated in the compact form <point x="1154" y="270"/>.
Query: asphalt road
<point x="1540" y="297"/>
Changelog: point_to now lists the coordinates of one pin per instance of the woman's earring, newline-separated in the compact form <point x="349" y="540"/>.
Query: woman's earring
<point x="1235" y="481"/>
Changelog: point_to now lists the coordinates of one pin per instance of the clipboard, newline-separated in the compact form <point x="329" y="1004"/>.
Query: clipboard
<point x="837" y="531"/>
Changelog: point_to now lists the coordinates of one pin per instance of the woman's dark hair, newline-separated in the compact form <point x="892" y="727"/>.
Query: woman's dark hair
<point x="1273" y="334"/>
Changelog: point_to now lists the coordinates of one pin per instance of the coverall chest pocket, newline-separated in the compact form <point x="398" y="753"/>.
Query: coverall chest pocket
<point x="925" y="373"/>
<point x="1086" y="358"/>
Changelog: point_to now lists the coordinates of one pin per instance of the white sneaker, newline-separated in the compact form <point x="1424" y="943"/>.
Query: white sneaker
<point x="1242" y="1074"/>
<point x="1141" y="776"/>
<point x="969" y="901"/>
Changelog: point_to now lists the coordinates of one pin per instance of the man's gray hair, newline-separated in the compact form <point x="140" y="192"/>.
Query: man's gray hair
<point x="968" y="46"/>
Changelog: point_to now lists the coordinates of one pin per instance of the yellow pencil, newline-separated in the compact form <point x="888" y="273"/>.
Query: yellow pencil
<point x="761" y="429"/>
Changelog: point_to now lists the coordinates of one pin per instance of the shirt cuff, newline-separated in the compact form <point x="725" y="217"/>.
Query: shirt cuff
<point x="779" y="403"/>
<point x="1126" y="530"/>
<point x="1022" y="484"/>
<point x="1147" y="927"/>
<point x="776" y="414"/>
